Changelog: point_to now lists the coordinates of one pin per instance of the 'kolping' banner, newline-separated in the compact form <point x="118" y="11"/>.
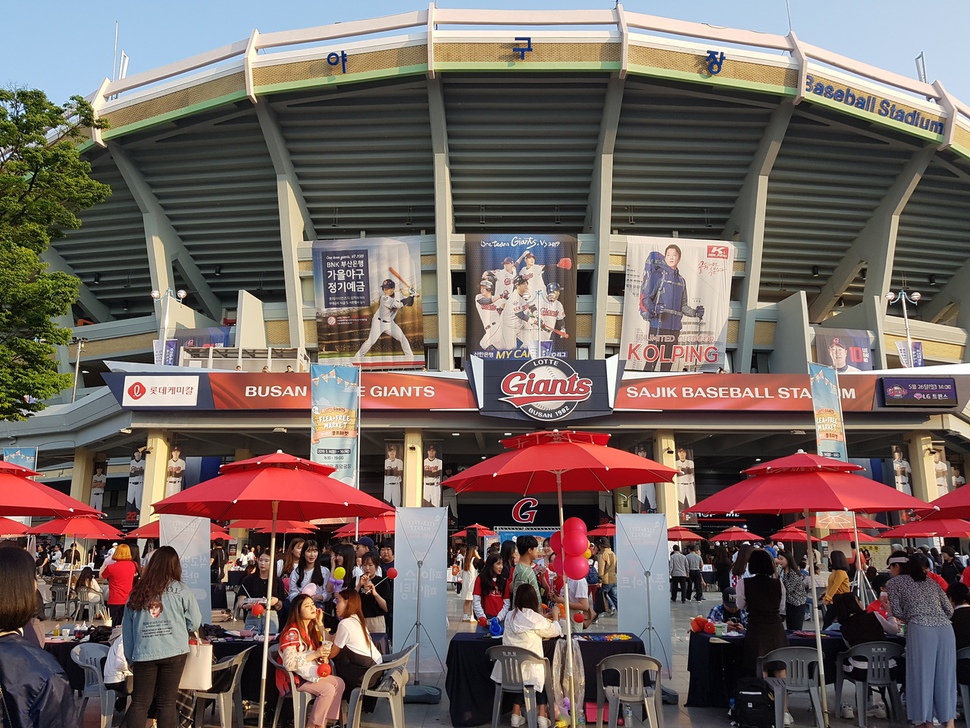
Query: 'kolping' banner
<point x="368" y="301"/>
<point x="333" y="438"/>
<point x="676" y="304"/>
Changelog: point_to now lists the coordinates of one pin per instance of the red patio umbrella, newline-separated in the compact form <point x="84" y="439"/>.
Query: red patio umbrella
<point x="931" y="527"/>
<point x="463" y="533"/>
<point x="282" y="525"/>
<point x="10" y="527"/>
<point x="25" y="497"/>
<point x="792" y="534"/>
<point x="384" y="523"/>
<point x="604" y="529"/>
<point x="551" y="462"/>
<point x="805" y="483"/>
<point x="679" y="533"/>
<point x="837" y="521"/>
<point x="953" y="505"/>
<point x="152" y="530"/>
<point x="846" y="535"/>
<point x="736" y="533"/>
<point x="79" y="527"/>
<point x="276" y="486"/>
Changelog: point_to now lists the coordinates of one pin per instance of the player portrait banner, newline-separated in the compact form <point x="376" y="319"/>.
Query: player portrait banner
<point x="521" y="296"/>
<point x="676" y="303"/>
<point x="136" y="486"/>
<point x="174" y="471"/>
<point x="368" y="301"/>
<point x="25" y="457"/>
<point x="393" y="471"/>
<point x="686" y="484"/>
<point x="845" y="350"/>
<point x="827" y="405"/>
<point x="334" y="394"/>
<point x="432" y="470"/>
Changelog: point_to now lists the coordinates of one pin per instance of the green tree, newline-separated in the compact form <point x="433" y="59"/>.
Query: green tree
<point x="44" y="183"/>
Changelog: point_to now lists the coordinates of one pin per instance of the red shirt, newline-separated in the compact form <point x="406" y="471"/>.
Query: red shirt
<point x="121" y="578"/>
<point x="493" y="602"/>
<point x="938" y="579"/>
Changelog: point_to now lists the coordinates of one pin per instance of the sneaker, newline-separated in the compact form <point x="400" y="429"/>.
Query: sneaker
<point x="788" y="719"/>
<point x="876" y="711"/>
<point x="613" y="612"/>
<point x="846" y="712"/>
<point x="543" y="722"/>
<point x="518" y="721"/>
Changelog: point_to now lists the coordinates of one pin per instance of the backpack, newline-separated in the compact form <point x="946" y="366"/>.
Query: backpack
<point x="592" y="576"/>
<point x="753" y="704"/>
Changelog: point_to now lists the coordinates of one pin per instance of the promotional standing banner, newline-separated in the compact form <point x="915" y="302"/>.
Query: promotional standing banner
<point x="522" y="289"/>
<point x="334" y="393"/>
<point x="432" y="469"/>
<point x="190" y="537"/>
<point x="393" y="471"/>
<point x="368" y="301"/>
<point x="643" y="582"/>
<point x="845" y="350"/>
<point x="676" y="304"/>
<point x="136" y="484"/>
<point x="827" y="405"/>
<point x="420" y="589"/>
<point x="25" y="457"/>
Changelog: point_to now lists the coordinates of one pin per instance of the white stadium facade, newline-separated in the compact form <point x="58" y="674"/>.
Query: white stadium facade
<point x="836" y="183"/>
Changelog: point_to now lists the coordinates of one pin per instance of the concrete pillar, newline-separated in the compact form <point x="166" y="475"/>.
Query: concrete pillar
<point x="155" y="469"/>
<point x="664" y="452"/>
<point x="81" y="474"/>
<point x="413" y="486"/>
<point x="921" y="461"/>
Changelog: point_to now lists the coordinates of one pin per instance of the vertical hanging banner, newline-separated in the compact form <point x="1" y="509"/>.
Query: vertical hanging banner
<point x="174" y="472"/>
<point x="904" y="357"/>
<point x="136" y="484"/>
<point x="845" y="350"/>
<point x="334" y="397"/>
<point x="393" y="471"/>
<point x="643" y="582"/>
<point x="368" y="301"/>
<point x="827" y="405"/>
<point x="98" y="482"/>
<point x="676" y="304"/>
<point x="902" y="471"/>
<point x="686" y="484"/>
<point x="25" y="457"/>
<point x="421" y="591"/>
<point x="190" y="537"/>
<point x="523" y="290"/>
<point x="432" y="470"/>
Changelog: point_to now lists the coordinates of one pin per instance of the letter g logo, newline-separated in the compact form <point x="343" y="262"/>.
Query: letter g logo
<point x="524" y="511"/>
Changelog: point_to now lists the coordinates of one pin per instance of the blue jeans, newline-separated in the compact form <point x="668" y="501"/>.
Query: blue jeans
<point x="609" y="594"/>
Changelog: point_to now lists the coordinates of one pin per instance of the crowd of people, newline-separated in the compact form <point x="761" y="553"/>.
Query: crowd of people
<point x="923" y="594"/>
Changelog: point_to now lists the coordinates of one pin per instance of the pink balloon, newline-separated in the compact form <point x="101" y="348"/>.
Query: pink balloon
<point x="574" y="524"/>
<point x="575" y="543"/>
<point x="576" y="567"/>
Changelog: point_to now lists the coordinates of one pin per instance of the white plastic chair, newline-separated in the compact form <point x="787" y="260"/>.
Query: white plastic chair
<point x="89" y="657"/>
<point x="388" y="679"/>
<point x="301" y="701"/>
<point x="230" y="699"/>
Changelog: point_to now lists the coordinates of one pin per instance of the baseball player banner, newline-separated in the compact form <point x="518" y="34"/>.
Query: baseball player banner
<point x="393" y="471"/>
<point x="368" y="301"/>
<point x="522" y="289"/>
<point x="676" y="304"/>
<point x="432" y="473"/>
<point x="334" y="395"/>
<point x="136" y="486"/>
<point x="845" y="350"/>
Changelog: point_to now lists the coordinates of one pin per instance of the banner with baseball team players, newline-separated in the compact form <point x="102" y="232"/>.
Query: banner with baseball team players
<point x="676" y="304"/>
<point x="522" y="290"/>
<point x="368" y="301"/>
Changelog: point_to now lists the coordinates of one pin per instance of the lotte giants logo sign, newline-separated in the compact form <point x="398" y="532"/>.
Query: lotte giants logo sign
<point x="524" y="511"/>
<point x="544" y="389"/>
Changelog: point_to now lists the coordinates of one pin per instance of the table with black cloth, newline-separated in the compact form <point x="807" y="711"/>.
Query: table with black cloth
<point x="714" y="664"/>
<point x="62" y="653"/>
<point x="468" y="681"/>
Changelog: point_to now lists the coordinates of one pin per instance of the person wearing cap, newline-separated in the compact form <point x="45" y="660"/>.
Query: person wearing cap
<point x="432" y="476"/>
<point x="532" y="273"/>
<point x="729" y="612"/>
<point x="502" y="278"/>
<point x="519" y="316"/>
<point x="384" y="322"/>
<point x="838" y="355"/>
<point x="490" y="309"/>
<point x="551" y="313"/>
<point x="365" y="545"/>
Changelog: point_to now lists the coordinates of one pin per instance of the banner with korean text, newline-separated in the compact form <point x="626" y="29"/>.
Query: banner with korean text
<point x="368" y="301"/>
<point x="827" y="405"/>
<point x="189" y="536"/>
<point x="334" y="396"/>
<point x="676" y="303"/>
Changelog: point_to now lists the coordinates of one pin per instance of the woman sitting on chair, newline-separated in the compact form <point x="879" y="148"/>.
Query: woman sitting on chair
<point x="89" y="592"/>
<point x="303" y="650"/>
<point x="353" y="651"/>
<point x="525" y="627"/>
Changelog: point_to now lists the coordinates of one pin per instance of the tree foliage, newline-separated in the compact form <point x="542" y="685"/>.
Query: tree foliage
<point x="44" y="183"/>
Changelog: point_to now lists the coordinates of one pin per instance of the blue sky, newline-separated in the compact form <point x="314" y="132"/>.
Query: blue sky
<point x="66" y="48"/>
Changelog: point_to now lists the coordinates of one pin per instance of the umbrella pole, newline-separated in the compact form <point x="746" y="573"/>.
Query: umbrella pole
<point x="269" y="598"/>
<point x="569" y="619"/>
<point x="818" y="631"/>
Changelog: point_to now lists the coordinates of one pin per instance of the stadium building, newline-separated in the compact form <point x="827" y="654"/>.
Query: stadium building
<point x="422" y="150"/>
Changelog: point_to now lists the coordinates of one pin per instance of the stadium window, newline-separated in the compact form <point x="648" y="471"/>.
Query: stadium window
<point x="582" y="352"/>
<point x="615" y="285"/>
<point x="584" y="283"/>
<point x="458" y="352"/>
<point x="431" y="358"/>
<point x="458" y="278"/>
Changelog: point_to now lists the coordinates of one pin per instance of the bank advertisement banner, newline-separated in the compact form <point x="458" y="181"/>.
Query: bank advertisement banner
<point x="368" y="301"/>
<point x="333" y="416"/>
<point x="420" y="541"/>
<point x="189" y="536"/>
<point x="827" y="405"/>
<point x="643" y="582"/>
<point x="521" y="296"/>
<point x="676" y="304"/>
<point x="845" y="350"/>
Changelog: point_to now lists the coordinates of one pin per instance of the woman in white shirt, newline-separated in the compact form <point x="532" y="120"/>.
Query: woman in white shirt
<point x="309" y="571"/>
<point x="353" y="651"/>
<point x="525" y="627"/>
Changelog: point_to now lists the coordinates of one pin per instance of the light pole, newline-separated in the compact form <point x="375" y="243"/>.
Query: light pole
<point x="79" y="343"/>
<point x="904" y="297"/>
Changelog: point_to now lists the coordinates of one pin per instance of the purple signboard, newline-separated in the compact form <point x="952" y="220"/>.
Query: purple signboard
<point x="919" y="392"/>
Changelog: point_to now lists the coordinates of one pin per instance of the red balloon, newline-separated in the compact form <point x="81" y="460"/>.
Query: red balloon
<point x="555" y="542"/>
<point x="392" y="573"/>
<point x="324" y="669"/>
<point x="575" y="544"/>
<point x="578" y="617"/>
<point x="574" y="524"/>
<point x="258" y="610"/>
<point x="709" y="627"/>
<point x="576" y="567"/>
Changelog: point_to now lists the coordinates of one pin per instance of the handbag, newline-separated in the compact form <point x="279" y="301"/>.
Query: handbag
<point x="197" y="673"/>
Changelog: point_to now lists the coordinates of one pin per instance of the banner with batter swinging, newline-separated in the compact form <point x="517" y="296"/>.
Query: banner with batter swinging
<point x="368" y="301"/>
<point x="676" y="304"/>
<point x="521" y="296"/>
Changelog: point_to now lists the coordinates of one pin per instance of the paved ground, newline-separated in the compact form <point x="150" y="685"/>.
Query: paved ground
<point x="433" y="716"/>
